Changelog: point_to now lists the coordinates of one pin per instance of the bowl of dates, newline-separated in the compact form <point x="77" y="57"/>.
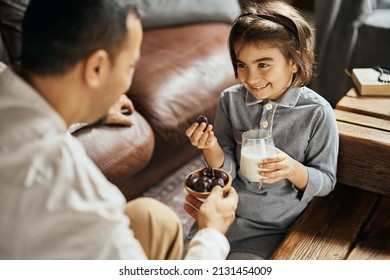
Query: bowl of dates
<point x="200" y="182"/>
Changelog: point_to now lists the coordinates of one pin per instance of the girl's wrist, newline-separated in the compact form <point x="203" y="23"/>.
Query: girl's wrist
<point x="299" y="175"/>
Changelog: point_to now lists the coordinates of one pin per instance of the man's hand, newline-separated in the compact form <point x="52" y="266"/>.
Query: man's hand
<point x="216" y="212"/>
<point x="115" y="115"/>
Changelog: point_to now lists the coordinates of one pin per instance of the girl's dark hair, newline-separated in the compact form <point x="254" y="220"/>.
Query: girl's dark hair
<point x="58" y="34"/>
<point x="275" y="24"/>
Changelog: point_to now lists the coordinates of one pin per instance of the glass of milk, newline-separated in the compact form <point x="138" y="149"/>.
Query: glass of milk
<point x="257" y="144"/>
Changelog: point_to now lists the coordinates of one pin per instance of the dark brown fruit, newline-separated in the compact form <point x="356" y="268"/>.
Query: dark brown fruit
<point x="202" y="119"/>
<point x="202" y="186"/>
<point x="217" y="182"/>
<point x="206" y="179"/>
<point x="191" y="180"/>
<point x="208" y="172"/>
<point x="221" y="175"/>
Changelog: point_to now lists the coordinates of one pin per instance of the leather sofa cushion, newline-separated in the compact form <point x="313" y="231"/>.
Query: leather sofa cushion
<point x="119" y="151"/>
<point x="177" y="80"/>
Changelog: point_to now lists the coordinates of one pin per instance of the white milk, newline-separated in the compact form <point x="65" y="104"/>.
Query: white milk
<point x="251" y="156"/>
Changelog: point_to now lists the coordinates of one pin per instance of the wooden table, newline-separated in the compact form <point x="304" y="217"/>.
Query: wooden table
<point x="347" y="224"/>
<point x="364" y="130"/>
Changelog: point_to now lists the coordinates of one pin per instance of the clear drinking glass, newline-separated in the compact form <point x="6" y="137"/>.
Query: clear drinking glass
<point x="257" y="144"/>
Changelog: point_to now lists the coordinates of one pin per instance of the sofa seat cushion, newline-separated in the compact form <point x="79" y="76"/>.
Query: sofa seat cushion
<point x="178" y="79"/>
<point x="119" y="151"/>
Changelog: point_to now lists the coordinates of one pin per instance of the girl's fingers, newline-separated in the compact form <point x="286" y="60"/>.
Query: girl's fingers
<point x="191" y="129"/>
<point x="210" y="138"/>
<point x="276" y="158"/>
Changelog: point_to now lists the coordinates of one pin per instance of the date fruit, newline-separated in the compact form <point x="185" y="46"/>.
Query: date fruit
<point x="208" y="172"/>
<point x="206" y="179"/>
<point x="221" y="175"/>
<point x="202" y="119"/>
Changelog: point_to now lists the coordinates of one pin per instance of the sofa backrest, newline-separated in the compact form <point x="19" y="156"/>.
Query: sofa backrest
<point x="12" y="11"/>
<point x="11" y="15"/>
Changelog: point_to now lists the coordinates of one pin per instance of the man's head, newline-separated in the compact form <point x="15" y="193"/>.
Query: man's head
<point x="88" y="46"/>
<point x="58" y="34"/>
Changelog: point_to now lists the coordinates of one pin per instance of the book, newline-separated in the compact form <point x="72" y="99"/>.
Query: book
<point x="366" y="82"/>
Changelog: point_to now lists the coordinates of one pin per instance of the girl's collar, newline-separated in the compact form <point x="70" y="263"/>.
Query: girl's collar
<point x="289" y="98"/>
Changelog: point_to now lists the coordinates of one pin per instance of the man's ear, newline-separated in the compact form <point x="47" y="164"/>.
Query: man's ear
<point x="96" y="68"/>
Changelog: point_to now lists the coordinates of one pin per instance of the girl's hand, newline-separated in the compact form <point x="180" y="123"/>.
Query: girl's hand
<point x="201" y="135"/>
<point x="282" y="166"/>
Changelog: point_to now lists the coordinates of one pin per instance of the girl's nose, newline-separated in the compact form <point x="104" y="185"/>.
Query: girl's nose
<point x="252" y="77"/>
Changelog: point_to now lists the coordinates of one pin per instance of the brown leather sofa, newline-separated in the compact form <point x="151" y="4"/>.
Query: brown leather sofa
<point x="180" y="75"/>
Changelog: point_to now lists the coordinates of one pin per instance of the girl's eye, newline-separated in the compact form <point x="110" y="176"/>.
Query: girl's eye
<point x="262" y="65"/>
<point x="241" y="65"/>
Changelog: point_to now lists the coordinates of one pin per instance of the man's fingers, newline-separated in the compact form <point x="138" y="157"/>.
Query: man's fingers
<point x="191" y="211"/>
<point x="125" y="104"/>
<point x="193" y="201"/>
<point x="119" y="118"/>
<point x="129" y="106"/>
<point x="232" y="195"/>
<point x="216" y="193"/>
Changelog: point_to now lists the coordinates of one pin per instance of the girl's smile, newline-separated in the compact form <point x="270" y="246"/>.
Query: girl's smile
<point x="264" y="71"/>
<point x="258" y="91"/>
<point x="254" y="87"/>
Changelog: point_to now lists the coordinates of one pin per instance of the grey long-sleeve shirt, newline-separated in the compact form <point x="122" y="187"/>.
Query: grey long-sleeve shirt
<point x="303" y="126"/>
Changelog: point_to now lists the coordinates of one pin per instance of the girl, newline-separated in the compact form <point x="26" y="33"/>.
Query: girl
<point x="271" y="48"/>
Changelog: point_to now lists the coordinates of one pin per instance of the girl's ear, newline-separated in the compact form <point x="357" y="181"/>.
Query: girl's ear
<point x="294" y="66"/>
<point x="96" y="68"/>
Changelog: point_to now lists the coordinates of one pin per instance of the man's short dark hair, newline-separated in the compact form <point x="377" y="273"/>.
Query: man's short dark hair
<point x="57" y="34"/>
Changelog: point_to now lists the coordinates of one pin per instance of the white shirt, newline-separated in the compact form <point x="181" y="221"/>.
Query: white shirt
<point x="54" y="202"/>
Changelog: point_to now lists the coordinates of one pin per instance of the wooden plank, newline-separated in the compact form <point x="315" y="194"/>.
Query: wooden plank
<point x="364" y="133"/>
<point x="327" y="229"/>
<point x="373" y="106"/>
<point x="353" y="93"/>
<point x="374" y="243"/>
<point x="364" y="158"/>
<point x="363" y="120"/>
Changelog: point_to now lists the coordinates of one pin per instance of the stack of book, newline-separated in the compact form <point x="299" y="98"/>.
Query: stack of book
<point x="366" y="82"/>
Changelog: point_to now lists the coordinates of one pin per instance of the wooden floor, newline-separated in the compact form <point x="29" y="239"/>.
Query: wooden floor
<point x="349" y="223"/>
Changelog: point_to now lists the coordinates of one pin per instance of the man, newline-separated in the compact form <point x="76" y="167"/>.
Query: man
<point x="78" y="58"/>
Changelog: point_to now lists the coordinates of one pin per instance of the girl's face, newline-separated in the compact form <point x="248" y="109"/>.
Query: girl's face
<point x="264" y="71"/>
